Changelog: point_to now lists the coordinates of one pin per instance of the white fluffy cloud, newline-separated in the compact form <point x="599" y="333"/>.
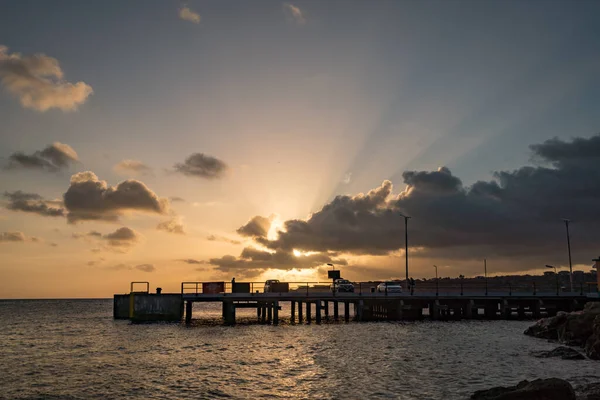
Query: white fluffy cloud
<point x="294" y="13"/>
<point x="38" y="82"/>
<point x="186" y="14"/>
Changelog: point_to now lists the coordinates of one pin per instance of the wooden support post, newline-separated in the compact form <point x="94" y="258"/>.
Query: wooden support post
<point x="258" y="309"/>
<point x="308" y="317"/>
<point x="229" y="312"/>
<point x="275" y="312"/>
<point x="188" y="312"/>
<point x="318" y="311"/>
<point x="335" y="310"/>
<point x="535" y="309"/>
<point x="269" y="312"/>
<point x="359" y="309"/>
<point x="300" y="312"/>
<point x="293" y="313"/>
<point x="326" y="309"/>
<point x="346" y="311"/>
<point x="468" y="309"/>
<point x="506" y="310"/>
<point x="263" y="313"/>
<point x="434" y="310"/>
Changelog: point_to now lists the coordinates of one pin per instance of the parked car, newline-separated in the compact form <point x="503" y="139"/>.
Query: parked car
<point x="342" y="285"/>
<point x="389" y="287"/>
<point x="269" y="284"/>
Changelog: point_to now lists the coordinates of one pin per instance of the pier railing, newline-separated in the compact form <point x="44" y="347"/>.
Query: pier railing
<point x="429" y="287"/>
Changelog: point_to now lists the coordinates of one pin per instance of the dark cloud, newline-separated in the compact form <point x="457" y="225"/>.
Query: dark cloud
<point x="216" y="238"/>
<point x="253" y="261"/>
<point x="33" y="203"/>
<point x="175" y="199"/>
<point x="257" y="227"/>
<point x="6" y="237"/>
<point x="516" y="216"/>
<point x="53" y="158"/>
<point x="89" y="198"/>
<point x="202" y="166"/>
<point x="171" y="226"/>
<point x="122" y="237"/>
<point x="132" y="167"/>
<point x="191" y="261"/>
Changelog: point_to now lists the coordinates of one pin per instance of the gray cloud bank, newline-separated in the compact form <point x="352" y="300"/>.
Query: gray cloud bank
<point x="52" y="158"/>
<point x="89" y="198"/>
<point x="202" y="166"/>
<point x="33" y="203"/>
<point x="515" y="216"/>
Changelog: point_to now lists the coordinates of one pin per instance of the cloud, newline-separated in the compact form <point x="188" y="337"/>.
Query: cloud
<point x="145" y="267"/>
<point x="515" y="216"/>
<point x="6" y="237"/>
<point x="186" y="14"/>
<point x="293" y="13"/>
<point x="171" y="226"/>
<point x="52" y="158"/>
<point x="89" y="198"/>
<point x="216" y="238"/>
<point x="202" y="166"/>
<point x="34" y="203"/>
<point x="37" y="81"/>
<point x="132" y="167"/>
<point x="253" y="261"/>
<point x="191" y="261"/>
<point x="175" y="199"/>
<point x="122" y="238"/>
<point x="257" y="227"/>
<point x="90" y="234"/>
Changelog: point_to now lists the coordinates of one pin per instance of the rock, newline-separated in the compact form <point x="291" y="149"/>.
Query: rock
<point x="539" y="389"/>
<point x="547" y="328"/>
<point x="592" y="345"/>
<point x="565" y="353"/>
<point x="573" y="329"/>
<point x="590" y="391"/>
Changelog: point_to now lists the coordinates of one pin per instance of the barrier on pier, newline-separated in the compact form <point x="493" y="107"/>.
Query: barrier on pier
<point x="213" y="287"/>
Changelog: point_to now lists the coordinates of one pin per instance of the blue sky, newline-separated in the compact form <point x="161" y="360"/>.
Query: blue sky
<point x="300" y="109"/>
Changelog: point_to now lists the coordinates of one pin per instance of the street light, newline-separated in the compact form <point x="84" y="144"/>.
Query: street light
<point x="485" y="275"/>
<point x="406" y="245"/>
<point x="437" y="291"/>
<point x="552" y="266"/>
<point x="569" y="247"/>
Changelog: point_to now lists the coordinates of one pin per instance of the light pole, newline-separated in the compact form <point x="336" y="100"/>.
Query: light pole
<point x="437" y="291"/>
<point x="552" y="266"/>
<point x="485" y="275"/>
<point x="569" y="247"/>
<point x="406" y="246"/>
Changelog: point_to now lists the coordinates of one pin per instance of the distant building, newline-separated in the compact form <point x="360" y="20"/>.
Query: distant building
<point x="548" y="273"/>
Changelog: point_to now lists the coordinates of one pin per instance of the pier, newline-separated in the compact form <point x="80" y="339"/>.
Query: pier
<point x="315" y="304"/>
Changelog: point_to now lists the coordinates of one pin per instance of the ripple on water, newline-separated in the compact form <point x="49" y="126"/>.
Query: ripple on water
<point x="62" y="355"/>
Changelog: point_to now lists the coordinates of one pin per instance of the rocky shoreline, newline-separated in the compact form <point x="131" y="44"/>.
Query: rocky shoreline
<point x="540" y="389"/>
<point x="579" y="328"/>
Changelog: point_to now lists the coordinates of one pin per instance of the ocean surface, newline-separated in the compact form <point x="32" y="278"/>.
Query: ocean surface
<point x="73" y="349"/>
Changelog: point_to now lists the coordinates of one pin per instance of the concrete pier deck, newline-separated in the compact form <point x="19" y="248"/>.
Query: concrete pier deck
<point x="313" y="306"/>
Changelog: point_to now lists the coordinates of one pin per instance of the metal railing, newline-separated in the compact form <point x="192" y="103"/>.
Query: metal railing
<point x="429" y="287"/>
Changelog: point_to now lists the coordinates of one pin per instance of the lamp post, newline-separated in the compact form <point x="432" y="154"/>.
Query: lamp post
<point x="437" y="291"/>
<point x="569" y="247"/>
<point x="552" y="266"/>
<point x="406" y="246"/>
<point x="485" y="275"/>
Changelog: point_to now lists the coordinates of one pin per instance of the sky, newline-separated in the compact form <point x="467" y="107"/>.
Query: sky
<point x="165" y="141"/>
